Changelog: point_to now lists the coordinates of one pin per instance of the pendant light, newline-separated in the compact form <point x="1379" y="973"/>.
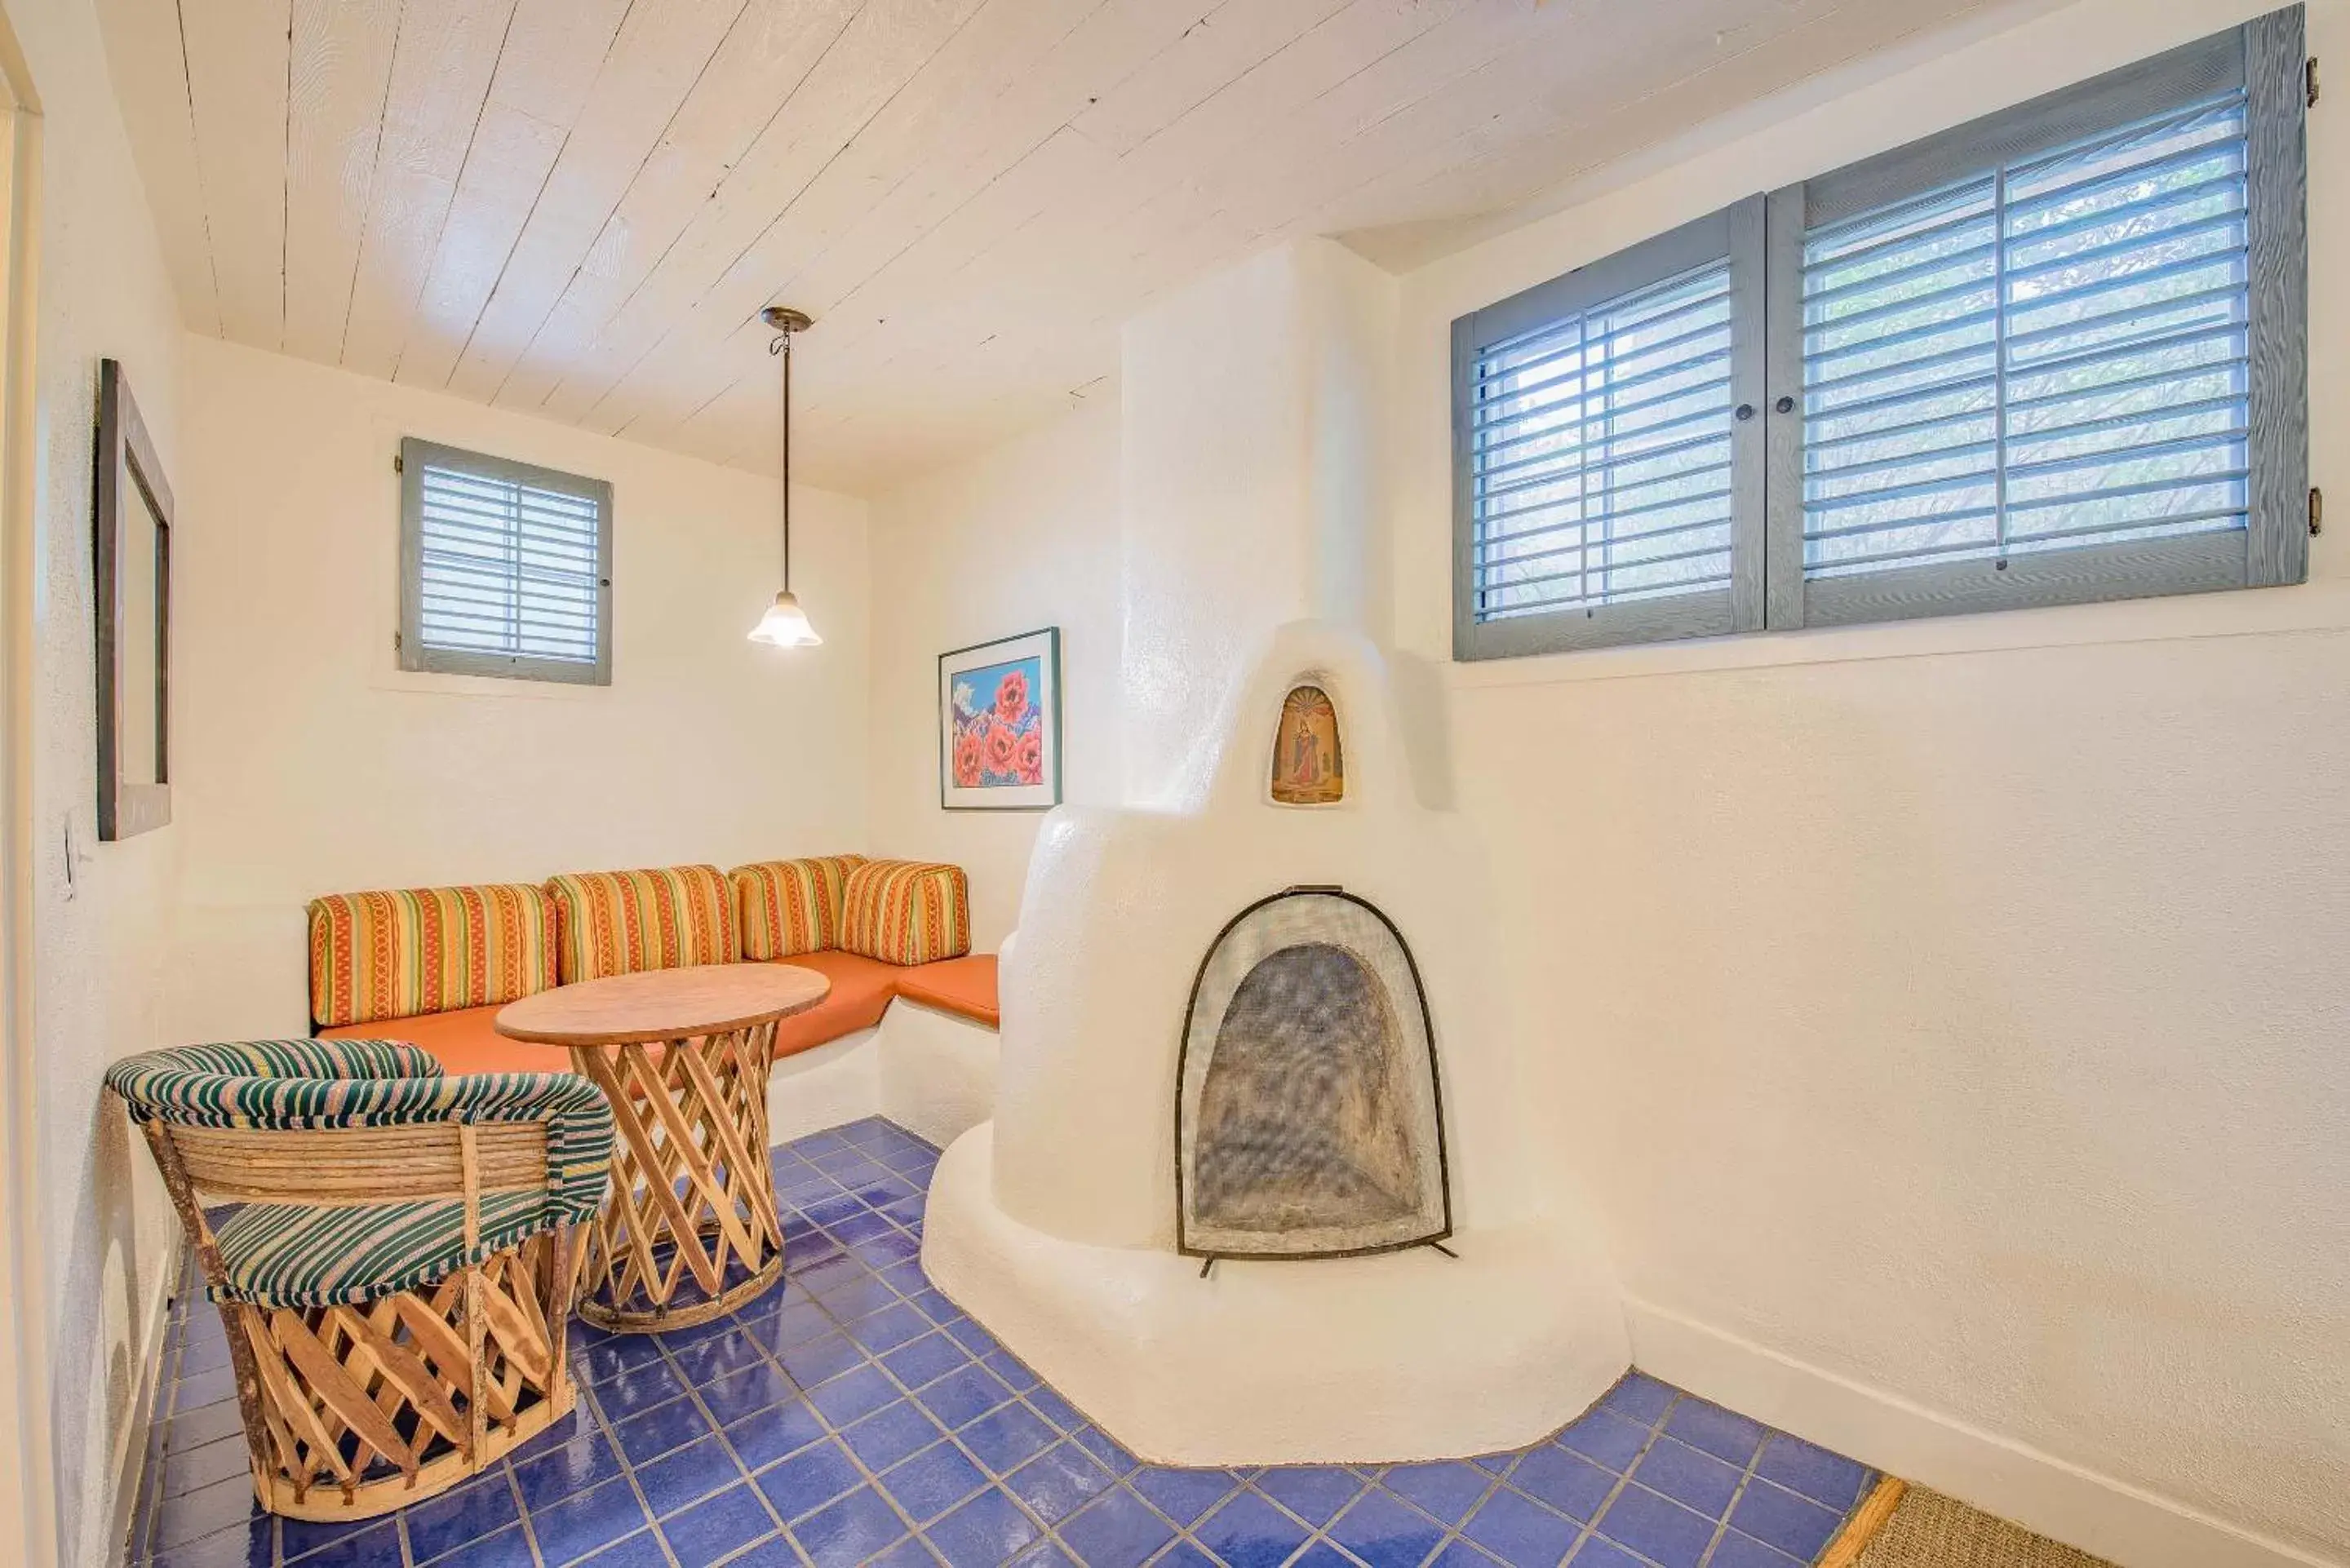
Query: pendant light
<point x="786" y="625"/>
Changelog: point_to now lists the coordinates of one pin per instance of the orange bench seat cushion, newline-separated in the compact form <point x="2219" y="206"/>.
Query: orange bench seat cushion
<point x="963" y="986"/>
<point x="862" y="989"/>
<point x="463" y="1041"/>
<point x="467" y="1041"/>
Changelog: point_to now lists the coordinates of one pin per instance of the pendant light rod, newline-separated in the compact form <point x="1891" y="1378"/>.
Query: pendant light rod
<point x="786" y="321"/>
<point x="786" y="625"/>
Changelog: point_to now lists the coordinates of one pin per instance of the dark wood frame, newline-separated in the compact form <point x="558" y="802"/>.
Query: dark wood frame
<point x="125" y="808"/>
<point x="1052" y="657"/>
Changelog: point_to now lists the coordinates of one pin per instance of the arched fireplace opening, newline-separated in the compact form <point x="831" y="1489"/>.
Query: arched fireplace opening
<point x="1308" y="1120"/>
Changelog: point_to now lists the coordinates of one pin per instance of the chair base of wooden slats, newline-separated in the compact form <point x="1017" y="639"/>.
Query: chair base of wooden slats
<point x="353" y="1411"/>
<point x="388" y="1341"/>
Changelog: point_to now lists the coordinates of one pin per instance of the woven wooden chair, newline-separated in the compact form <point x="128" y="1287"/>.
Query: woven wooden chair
<point x="397" y="1270"/>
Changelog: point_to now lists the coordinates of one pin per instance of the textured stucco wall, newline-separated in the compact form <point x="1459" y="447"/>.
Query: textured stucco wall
<point x="1960" y="1002"/>
<point x="103" y="925"/>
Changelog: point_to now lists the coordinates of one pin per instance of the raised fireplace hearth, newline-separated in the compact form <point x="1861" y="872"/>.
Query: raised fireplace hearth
<point x="1308" y="1116"/>
<point x="1223" y="1023"/>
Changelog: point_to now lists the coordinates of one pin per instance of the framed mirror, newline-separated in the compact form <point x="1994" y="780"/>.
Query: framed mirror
<point x="132" y="509"/>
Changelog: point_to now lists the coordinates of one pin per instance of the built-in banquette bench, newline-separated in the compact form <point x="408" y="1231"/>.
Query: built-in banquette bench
<point x="432" y="966"/>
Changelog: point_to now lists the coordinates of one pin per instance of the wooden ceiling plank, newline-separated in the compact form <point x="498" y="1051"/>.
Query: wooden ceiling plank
<point x="1224" y="45"/>
<point x="967" y="189"/>
<point x="915" y="56"/>
<point x="955" y="206"/>
<point x="772" y="47"/>
<point x="1086" y="246"/>
<point x="658" y="393"/>
<point x="149" y="65"/>
<point x="237" y="84"/>
<point x="997" y="121"/>
<point x="925" y="269"/>
<point x="554" y="51"/>
<point x="1083" y="244"/>
<point x="1536" y="79"/>
<point x="755" y="391"/>
<point x="341" y="65"/>
<point x="1470" y="187"/>
<point x="441" y="71"/>
<point x="661" y="50"/>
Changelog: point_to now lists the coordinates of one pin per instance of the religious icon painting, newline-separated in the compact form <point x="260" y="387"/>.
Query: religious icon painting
<point x="1309" y="768"/>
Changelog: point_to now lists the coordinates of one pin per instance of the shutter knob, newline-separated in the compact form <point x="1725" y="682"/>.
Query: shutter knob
<point x="1785" y="405"/>
<point x="1745" y="412"/>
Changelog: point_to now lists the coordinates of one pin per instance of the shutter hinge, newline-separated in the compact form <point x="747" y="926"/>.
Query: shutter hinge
<point x="398" y="463"/>
<point x="2316" y="510"/>
<point x="2309" y="79"/>
<point x="395" y="642"/>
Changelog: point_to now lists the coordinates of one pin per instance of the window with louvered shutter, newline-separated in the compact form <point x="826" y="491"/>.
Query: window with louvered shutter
<point x="1610" y="486"/>
<point x="506" y="568"/>
<point x="2053" y="356"/>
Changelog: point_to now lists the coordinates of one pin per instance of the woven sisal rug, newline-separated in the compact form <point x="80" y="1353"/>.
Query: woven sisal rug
<point x="1931" y="1531"/>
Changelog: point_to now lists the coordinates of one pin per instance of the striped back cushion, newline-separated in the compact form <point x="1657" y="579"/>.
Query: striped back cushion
<point x="307" y="1085"/>
<point x="619" y="922"/>
<point x="402" y="953"/>
<point x="791" y="907"/>
<point x="905" y="912"/>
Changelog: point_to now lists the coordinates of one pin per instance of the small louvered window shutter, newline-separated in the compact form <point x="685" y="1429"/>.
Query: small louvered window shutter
<point x="1603" y="453"/>
<point x="506" y="567"/>
<point x="2050" y="357"/>
<point x="1604" y="462"/>
<point x="2053" y="356"/>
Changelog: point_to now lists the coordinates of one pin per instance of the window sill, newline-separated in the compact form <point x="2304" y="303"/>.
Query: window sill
<point x="2320" y="605"/>
<point x="430" y="684"/>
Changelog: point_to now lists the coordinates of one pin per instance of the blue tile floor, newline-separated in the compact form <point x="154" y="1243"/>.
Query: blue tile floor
<point x="852" y="1416"/>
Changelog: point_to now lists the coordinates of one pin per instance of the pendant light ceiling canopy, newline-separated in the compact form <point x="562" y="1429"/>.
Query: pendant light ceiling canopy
<point x="786" y="625"/>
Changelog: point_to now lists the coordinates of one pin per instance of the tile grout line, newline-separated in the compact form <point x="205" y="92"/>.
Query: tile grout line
<point x="833" y="1430"/>
<point x="636" y="1489"/>
<point x="837" y="1431"/>
<point x="745" y="1475"/>
<point x="522" y="1504"/>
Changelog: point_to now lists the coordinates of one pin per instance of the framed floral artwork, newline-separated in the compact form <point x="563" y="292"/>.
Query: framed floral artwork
<point x="1000" y="725"/>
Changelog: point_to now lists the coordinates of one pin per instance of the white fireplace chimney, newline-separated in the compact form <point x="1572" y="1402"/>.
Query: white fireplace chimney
<point x="1254" y="557"/>
<point x="1251" y="404"/>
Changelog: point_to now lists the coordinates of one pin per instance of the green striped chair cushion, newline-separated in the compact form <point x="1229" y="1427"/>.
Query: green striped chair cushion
<point x="291" y="1085"/>
<point x="292" y="1255"/>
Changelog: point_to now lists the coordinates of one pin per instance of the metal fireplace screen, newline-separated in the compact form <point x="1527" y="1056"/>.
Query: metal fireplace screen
<point x="1308" y="1122"/>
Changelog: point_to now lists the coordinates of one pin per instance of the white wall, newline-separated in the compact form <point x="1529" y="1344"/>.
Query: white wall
<point x="1023" y="537"/>
<point x="1955" y="1009"/>
<point x="100" y="941"/>
<point x="306" y="762"/>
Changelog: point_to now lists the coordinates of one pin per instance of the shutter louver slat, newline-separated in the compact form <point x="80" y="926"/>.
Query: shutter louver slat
<point x="508" y="568"/>
<point x="2052" y="355"/>
<point x="1600" y="453"/>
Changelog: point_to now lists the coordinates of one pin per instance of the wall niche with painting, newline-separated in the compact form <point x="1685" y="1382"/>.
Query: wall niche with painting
<point x="132" y="513"/>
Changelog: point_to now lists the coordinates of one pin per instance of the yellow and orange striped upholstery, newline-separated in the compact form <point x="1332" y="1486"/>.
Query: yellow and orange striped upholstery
<point x="791" y="907"/>
<point x="905" y="912"/>
<point x="619" y="922"/>
<point x="406" y="952"/>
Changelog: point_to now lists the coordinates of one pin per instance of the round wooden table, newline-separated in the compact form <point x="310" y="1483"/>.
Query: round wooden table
<point x="690" y="1230"/>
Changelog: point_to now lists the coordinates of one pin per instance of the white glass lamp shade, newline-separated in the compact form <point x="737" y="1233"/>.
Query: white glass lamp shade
<point x="786" y="625"/>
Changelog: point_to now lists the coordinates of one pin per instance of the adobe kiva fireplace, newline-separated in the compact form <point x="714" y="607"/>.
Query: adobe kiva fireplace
<point x="1308" y="1120"/>
<point x="1199" y="1211"/>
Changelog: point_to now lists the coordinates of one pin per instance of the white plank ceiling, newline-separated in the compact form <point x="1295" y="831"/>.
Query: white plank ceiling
<point x="577" y="208"/>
